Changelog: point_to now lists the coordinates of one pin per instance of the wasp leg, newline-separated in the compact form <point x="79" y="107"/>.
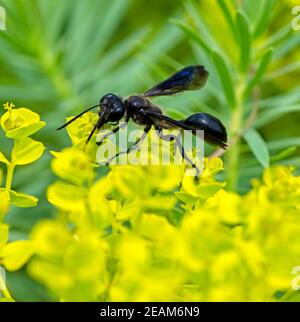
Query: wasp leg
<point x="134" y="146"/>
<point x="169" y="138"/>
<point x="113" y="131"/>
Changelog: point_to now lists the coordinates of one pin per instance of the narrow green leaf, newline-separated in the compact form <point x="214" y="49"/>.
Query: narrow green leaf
<point x="193" y="9"/>
<point x="226" y="12"/>
<point x="290" y="98"/>
<point x="193" y="34"/>
<point x="225" y="77"/>
<point x="284" y="143"/>
<point x="282" y="71"/>
<point x="112" y="19"/>
<point x="263" y="64"/>
<point x="251" y="8"/>
<point x="288" y="45"/>
<point x="283" y="154"/>
<point x="277" y="37"/>
<point x="111" y="58"/>
<point x="258" y="147"/>
<point x="295" y="162"/>
<point x="271" y="115"/>
<point x="244" y="38"/>
<point x="264" y="17"/>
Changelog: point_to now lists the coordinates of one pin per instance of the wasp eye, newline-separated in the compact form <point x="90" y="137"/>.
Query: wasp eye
<point x="117" y="113"/>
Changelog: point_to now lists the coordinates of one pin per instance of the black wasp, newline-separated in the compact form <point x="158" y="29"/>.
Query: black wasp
<point x="139" y="108"/>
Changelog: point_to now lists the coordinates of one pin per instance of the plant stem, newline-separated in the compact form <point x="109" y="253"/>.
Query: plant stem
<point x="9" y="176"/>
<point x="233" y="153"/>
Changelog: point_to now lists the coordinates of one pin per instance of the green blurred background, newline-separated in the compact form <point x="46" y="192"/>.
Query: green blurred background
<point x="57" y="57"/>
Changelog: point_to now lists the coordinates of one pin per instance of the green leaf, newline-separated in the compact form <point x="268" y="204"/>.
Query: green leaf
<point x="3" y="159"/>
<point x="290" y="98"/>
<point x="111" y="58"/>
<point x="16" y="254"/>
<point x="251" y="8"/>
<point x="22" y="200"/>
<point x="265" y="60"/>
<point x="244" y="38"/>
<point x="278" y="36"/>
<point x="258" y="147"/>
<point x="226" y="12"/>
<point x="282" y="71"/>
<point x="273" y="114"/>
<point x="264" y="17"/>
<point x="26" y="151"/>
<point x="284" y="143"/>
<point x="193" y="9"/>
<point x="290" y="43"/>
<point x="192" y="33"/>
<point x="284" y="154"/>
<point x="225" y="77"/>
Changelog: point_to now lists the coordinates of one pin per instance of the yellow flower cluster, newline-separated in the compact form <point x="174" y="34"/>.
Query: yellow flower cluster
<point x="17" y="124"/>
<point x="150" y="233"/>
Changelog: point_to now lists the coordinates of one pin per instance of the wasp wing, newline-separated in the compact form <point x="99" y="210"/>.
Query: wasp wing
<point x="214" y="130"/>
<point x="165" y="121"/>
<point x="188" y="78"/>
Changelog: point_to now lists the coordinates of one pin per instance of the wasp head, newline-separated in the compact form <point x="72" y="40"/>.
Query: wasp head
<point x="112" y="108"/>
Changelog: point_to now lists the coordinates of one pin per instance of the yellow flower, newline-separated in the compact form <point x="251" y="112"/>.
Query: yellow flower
<point x="21" y="122"/>
<point x="79" y="130"/>
<point x="73" y="165"/>
<point x="226" y="205"/>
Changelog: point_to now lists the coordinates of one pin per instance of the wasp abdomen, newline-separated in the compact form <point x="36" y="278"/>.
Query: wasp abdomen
<point x="214" y="131"/>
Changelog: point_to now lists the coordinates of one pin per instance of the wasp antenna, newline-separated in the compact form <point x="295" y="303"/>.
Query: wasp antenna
<point x="76" y="117"/>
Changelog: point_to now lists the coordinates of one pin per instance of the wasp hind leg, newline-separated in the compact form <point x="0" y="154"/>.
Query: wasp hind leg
<point x="170" y="138"/>
<point x="134" y="146"/>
